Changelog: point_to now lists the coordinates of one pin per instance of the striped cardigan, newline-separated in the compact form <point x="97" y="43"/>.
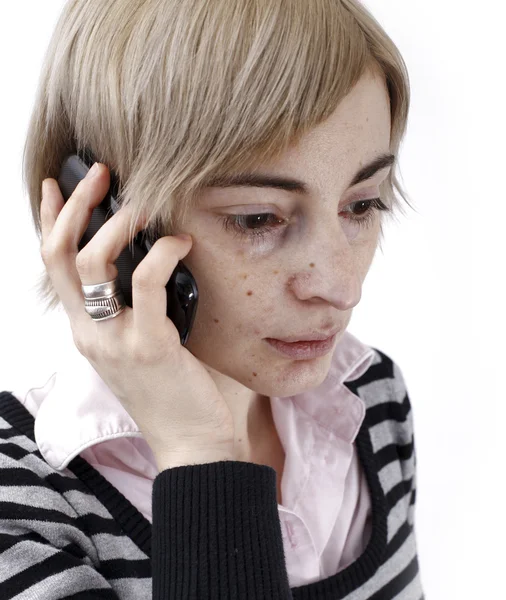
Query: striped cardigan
<point x="215" y="531"/>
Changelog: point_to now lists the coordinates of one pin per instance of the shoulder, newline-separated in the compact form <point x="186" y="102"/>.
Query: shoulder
<point x="47" y="513"/>
<point x="381" y="383"/>
<point x="385" y="394"/>
<point x="22" y="466"/>
<point x="20" y="458"/>
<point x="389" y="422"/>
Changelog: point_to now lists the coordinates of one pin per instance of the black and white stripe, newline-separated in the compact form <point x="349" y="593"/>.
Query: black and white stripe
<point x="215" y="531"/>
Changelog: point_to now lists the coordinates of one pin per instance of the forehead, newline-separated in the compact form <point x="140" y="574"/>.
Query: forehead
<point x="354" y="133"/>
<point x="329" y="155"/>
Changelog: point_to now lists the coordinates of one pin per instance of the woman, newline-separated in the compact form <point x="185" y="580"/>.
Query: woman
<point x="267" y="132"/>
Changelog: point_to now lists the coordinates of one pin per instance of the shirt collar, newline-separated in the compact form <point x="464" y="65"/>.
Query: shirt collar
<point x="76" y="409"/>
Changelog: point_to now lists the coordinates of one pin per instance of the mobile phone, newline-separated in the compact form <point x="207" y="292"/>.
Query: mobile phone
<point x="182" y="292"/>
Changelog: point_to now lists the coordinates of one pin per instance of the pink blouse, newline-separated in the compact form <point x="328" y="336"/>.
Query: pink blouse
<point x="326" y="512"/>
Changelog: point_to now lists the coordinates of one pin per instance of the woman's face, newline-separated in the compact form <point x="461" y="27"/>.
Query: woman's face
<point x="305" y="273"/>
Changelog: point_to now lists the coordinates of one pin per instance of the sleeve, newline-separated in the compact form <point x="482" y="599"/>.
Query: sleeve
<point x="406" y="444"/>
<point x="412" y="505"/>
<point x="406" y="438"/>
<point x="42" y="555"/>
<point x="217" y="533"/>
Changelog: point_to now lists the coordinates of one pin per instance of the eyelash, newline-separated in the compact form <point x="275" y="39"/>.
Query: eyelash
<point x="234" y="221"/>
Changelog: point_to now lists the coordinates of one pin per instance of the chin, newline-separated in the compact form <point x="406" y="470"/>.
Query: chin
<point x="295" y="376"/>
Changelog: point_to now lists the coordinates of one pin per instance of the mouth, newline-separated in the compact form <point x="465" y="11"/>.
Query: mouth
<point x="303" y="349"/>
<point x="314" y="336"/>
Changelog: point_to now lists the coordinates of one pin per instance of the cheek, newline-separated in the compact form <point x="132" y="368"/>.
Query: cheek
<point x="234" y="297"/>
<point x="364" y="256"/>
<point x="246" y="305"/>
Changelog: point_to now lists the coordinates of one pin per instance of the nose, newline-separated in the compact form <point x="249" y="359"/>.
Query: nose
<point x="332" y="276"/>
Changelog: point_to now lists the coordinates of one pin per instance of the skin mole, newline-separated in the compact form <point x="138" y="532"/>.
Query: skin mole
<point x="282" y="308"/>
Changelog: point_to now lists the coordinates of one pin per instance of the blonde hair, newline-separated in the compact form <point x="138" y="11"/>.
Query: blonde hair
<point x="170" y="95"/>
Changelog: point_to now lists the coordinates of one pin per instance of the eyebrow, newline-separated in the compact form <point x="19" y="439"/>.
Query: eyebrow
<point x="266" y="180"/>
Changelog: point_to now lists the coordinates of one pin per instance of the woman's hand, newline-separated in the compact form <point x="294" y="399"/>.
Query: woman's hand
<point x="166" y="390"/>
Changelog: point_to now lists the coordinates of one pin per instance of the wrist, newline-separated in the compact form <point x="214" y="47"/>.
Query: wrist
<point x="195" y="457"/>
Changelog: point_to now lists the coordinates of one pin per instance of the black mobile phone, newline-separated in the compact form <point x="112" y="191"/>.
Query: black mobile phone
<point x="182" y="292"/>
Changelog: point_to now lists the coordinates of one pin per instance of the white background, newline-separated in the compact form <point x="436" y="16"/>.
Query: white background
<point x="434" y="300"/>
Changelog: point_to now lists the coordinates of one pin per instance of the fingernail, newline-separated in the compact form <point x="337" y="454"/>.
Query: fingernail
<point x="184" y="236"/>
<point x="93" y="171"/>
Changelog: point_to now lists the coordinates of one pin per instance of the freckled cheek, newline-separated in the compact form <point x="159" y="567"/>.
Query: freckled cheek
<point x="250" y="293"/>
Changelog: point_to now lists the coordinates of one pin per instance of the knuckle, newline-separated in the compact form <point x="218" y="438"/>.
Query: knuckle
<point x="147" y="357"/>
<point x="144" y="353"/>
<point x="87" y="262"/>
<point x="168" y="246"/>
<point x="49" y="252"/>
<point x="110" y="353"/>
<point x="143" y="356"/>
<point x="143" y="280"/>
<point x="83" y="345"/>
<point x="97" y="351"/>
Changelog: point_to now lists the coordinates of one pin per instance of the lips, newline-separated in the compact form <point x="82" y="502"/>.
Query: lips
<point x="315" y="336"/>
<point x="305" y="350"/>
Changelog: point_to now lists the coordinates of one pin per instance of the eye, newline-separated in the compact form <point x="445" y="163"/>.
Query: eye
<point x="256" y="226"/>
<point x="366" y="218"/>
<point x="253" y="226"/>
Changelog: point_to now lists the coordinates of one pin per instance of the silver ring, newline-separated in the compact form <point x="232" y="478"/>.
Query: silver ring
<point x="103" y="300"/>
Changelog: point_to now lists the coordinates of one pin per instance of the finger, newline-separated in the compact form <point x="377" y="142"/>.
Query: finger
<point x="61" y="236"/>
<point x="75" y="214"/>
<point x="95" y="262"/>
<point x="51" y="204"/>
<point x="149" y="294"/>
